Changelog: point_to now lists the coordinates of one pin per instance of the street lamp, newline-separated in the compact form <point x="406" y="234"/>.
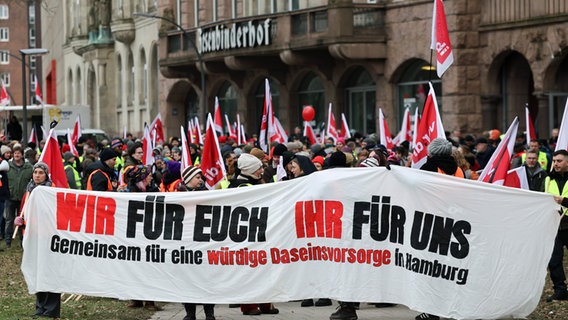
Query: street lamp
<point x="24" y="53"/>
<point x="199" y="57"/>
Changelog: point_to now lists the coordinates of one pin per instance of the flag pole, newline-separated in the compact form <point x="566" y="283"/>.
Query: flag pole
<point x="499" y="160"/>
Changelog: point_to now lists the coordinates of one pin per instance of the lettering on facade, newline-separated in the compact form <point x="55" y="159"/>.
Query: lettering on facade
<point x="243" y="35"/>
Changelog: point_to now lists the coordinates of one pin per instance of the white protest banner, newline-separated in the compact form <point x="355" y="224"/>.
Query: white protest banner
<point x="438" y="244"/>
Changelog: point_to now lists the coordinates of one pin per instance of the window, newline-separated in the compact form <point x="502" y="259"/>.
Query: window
<point x="4" y="34"/>
<point x="4" y="57"/>
<point x="5" y="76"/>
<point x="31" y="10"/>
<point x="4" y="12"/>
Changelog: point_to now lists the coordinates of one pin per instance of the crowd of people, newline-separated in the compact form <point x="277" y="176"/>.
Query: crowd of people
<point x="117" y="165"/>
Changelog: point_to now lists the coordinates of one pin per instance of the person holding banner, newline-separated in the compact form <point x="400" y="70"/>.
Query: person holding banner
<point x="193" y="181"/>
<point x="250" y="173"/>
<point x="48" y="304"/>
<point x="555" y="184"/>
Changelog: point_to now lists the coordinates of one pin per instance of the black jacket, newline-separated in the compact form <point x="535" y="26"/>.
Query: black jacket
<point x="99" y="181"/>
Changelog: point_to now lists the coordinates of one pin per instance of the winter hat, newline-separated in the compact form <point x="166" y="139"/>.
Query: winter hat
<point x="173" y="166"/>
<point x="369" y="162"/>
<point x="318" y="159"/>
<point x="176" y="149"/>
<point x="116" y="143"/>
<point x="294" y="145"/>
<point x="258" y="153"/>
<point x="68" y="155"/>
<point x="440" y="147"/>
<point x="107" y="154"/>
<point x="279" y="150"/>
<point x="42" y="166"/>
<point x="189" y="173"/>
<point x="316" y="148"/>
<point x="138" y="173"/>
<point x="249" y="164"/>
<point x="4" y="149"/>
<point x="337" y="159"/>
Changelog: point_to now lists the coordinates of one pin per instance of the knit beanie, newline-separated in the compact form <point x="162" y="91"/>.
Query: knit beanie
<point x="369" y="162"/>
<point x="4" y="149"/>
<point x="107" y="154"/>
<point x="116" y="143"/>
<point x="279" y="150"/>
<point x="249" y="164"/>
<point x="173" y="166"/>
<point x="337" y="160"/>
<point x="68" y="155"/>
<point x="440" y="147"/>
<point x="189" y="173"/>
<point x="42" y="166"/>
<point x="138" y="173"/>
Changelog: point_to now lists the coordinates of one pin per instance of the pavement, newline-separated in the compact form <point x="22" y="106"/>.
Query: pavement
<point x="288" y="311"/>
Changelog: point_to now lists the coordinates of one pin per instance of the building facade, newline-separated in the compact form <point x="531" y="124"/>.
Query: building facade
<point x="358" y="55"/>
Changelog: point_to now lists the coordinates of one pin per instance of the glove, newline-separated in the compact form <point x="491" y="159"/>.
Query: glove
<point x="19" y="221"/>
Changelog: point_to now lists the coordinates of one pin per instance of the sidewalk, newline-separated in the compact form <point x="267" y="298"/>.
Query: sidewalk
<point x="288" y="311"/>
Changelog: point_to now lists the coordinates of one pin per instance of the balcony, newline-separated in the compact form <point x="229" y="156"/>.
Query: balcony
<point x="313" y="31"/>
<point x="504" y="14"/>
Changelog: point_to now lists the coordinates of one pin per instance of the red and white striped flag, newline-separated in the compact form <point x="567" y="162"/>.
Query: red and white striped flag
<point x="429" y="128"/>
<point x="4" y="97"/>
<point x="157" y="130"/>
<point x="385" y="135"/>
<point x="72" y="147"/>
<point x="218" y="120"/>
<point x="211" y="159"/>
<point x="309" y="132"/>
<point x="331" y="127"/>
<point x="240" y="139"/>
<point x="281" y="133"/>
<point x="346" y="134"/>
<point x="38" y="95"/>
<point x="190" y="130"/>
<point x="197" y="131"/>
<point x="147" y="146"/>
<point x="51" y="155"/>
<point x="405" y="133"/>
<point x="517" y="178"/>
<point x="33" y="136"/>
<point x="531" y="135"/>
<point x="496" y="169"/>
<point x="562" y="143"/>
<point x="76" y="131"/>
<point x="230" y="129"/>
<point x="185" y="156"/>
<point x="268" y="131"/>
<point x="441" y="39"/>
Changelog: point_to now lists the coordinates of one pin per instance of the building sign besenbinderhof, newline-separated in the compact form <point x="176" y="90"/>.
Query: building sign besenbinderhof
<point x="238" y="35"/>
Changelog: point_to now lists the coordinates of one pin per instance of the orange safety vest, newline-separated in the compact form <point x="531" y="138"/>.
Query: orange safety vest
<point x="172" y="187"/>
<point x="458" y="173"/>
<point x="90" y="186"/>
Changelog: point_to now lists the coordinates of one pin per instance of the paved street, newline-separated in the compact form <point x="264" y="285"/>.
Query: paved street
<point x="288" y="311"/>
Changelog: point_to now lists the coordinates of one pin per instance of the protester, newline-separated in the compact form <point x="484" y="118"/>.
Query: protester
<point x="19" y="175"/>
<point x="535" y="173"/>
<point x="4" y="190"/>
<point x="103" y="177"/>
<point x="73" y="178"/>
<point x="171" y="179"/>
<point x="48" y="304"/>
<point x="193" y="181"/>
<point x="555" y="184"/>
<point x="250" y="173"/>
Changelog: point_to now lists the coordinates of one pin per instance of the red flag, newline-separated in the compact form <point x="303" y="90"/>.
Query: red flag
<point x="429" y="128"/>
<point x="331" y="128"/>
<point x="33" y="136"/>
<point x="385" y="135"/>
<point x="147" y="147"/>
<point x="441" y="39"/>
<point x="309" y="132"/>
<point x="157" y="130"/>
<point x="4" y="98"/>
<point x="281" y="135"/>
<point x="496" y="169"/>
<point x="531" y="135"/>
<point x="218" y="120"/>
<point x="197" y="131"/>
<point x="51" y="155"/>
<point x="517" y="178"/>
<point x="562" y="143"/>
<point x="212" y="161"/>
<point x="185" y="156"/>
<point x="38" y="95"/>
<point x="346" y="134"/>
<point x="230" y="129"/>
<point x="268" y="131"/>
<point x="76" y="131"/>
<point x="405" y="133"/>
<point x="72" y="147"/>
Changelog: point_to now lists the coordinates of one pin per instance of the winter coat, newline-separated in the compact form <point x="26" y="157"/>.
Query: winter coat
<point x="18" y="178"/>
